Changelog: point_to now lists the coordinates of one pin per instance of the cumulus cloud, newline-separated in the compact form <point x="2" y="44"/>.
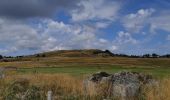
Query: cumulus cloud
<point x="161" y="22"/>
<point x="81" y="28"/>
<point x="102" y="24"/>
<point x="95" y="10"/>
<point x="75" y="36"/>
<point x="19" y="36"/>
<point x="135" y="22"/>
<point x="33" y="8"/>
<point x="124" y="38"/>
<point x="46" y="36"/>
<point x="123" y="43"/>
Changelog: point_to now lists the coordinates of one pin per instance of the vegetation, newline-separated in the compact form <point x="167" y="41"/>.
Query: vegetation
<point x="65" y="87"/>
<point x="84" y="61"/>
<point x="80" y="71"/>
<point x="63" y="73"/>
<point x="36" y="86"/>
<point x="1" y="57"/>
<point x="161" y="92"/>
<point x="98" y="53"/>
<point x="89" y="53"/>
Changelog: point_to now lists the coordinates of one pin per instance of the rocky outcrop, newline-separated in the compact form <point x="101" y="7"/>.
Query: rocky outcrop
<point x="124" y="85"/>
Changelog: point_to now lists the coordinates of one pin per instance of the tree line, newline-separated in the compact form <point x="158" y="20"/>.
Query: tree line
<point x="153" y="55"/>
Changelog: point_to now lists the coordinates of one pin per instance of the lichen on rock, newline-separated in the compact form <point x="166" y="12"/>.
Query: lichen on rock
<point x="122" y="84"/>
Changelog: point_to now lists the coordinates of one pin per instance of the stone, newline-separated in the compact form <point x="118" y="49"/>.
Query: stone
<point x="122" y="84"/>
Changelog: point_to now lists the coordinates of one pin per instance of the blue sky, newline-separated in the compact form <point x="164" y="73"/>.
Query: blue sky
<point x="122" y="26"/>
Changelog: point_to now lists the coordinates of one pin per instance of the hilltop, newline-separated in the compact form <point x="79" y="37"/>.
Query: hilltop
<point x="76" y="53"/>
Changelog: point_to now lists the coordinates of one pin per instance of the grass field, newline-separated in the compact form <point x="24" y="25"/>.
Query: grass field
<point x="86" y="61"/>
<point x="75" y="70"/>
<point x="65" y="75"/>
<point x="88" y="65"/>
<point x="65" y="87"/>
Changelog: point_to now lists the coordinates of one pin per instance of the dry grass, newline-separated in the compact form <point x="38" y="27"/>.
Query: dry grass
<point x="66" y="87"/>
<point x="160" y="92"/>
<point x="55" y="61"/>
<point x="62" y="85"/>
<point x="57" y="83"/>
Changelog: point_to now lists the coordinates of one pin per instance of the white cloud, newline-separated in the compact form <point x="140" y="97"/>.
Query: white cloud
<point x="96" y="10"/>
<point x="102" y="24"/>
<point x="160" y="22"/>
<point x="46" y="36"/>
<point x="76" y="36"/>
<point x="82" y="30"/>
<point x="17" y="36"/>
<point x="101" y="40"/>
<point x="113" y="48"/>
<point x="135" y="22"/>
<point x="124" y="38"/>
<point x="123" y="43"/>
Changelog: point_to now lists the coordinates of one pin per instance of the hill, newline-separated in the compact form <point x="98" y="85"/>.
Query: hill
<point x="76" y="53"/>
<point x="86" y="58"/>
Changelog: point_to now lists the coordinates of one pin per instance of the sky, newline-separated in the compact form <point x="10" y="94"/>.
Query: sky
<point x="121" y="26"/>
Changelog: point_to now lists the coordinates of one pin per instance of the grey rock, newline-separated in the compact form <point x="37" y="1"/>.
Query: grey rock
<point x="122" y="84"/>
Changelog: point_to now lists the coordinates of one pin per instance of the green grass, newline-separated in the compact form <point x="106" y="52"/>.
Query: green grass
<point x="77" y="70"/>
<point x="83" y="61"/>
<point x="88" y="65"/>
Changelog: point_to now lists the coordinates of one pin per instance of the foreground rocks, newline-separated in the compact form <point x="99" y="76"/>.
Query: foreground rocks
<point x="122" y="85"/>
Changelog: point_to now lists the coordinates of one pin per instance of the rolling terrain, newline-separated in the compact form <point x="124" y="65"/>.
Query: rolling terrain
<point x="86" y="62"/>
<point x="63" y="72"/>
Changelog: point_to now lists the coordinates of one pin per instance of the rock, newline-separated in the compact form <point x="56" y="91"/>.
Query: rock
<point x="99" y="76"/>
<point x="125" y="85"/>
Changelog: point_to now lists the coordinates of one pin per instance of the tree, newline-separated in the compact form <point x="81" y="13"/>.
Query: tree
<point x="109" y="52"/>
<point x="43" y="55"/>
<point x="146" y="55"/>
<point x="1" y="57"/>
<point x="168" y="55"/>
<point x="154" y="55"/>
<point x="37" y="55"/>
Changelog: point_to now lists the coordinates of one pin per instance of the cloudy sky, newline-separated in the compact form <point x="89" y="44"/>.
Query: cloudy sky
<point x="122" y="26"/>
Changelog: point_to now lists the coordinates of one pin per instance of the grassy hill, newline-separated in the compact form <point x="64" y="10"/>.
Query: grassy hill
<point x="83" y="58"/>
<point x="76" y="53"/>
<point x="86" y="61"/>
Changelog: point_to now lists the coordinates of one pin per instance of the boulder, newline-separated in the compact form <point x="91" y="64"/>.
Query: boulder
<point x="124" y="85"/>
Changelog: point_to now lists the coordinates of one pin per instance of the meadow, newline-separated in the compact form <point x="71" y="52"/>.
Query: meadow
<point x="88" y="65"/>
<point x="79" y="71"/>
<point x="66" y="87"/>
<point x="64" y="76"/>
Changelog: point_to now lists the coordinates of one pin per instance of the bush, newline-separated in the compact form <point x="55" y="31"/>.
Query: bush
<point x="1" y="57"/>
